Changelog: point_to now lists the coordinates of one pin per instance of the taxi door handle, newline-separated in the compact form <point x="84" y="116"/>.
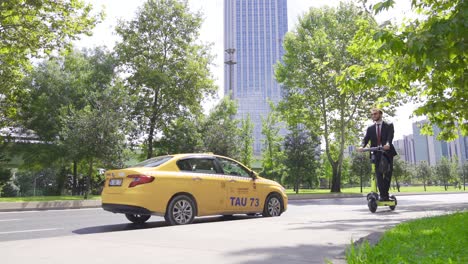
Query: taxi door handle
<point x="232" y="180"/>
<point x="196" y="178"/>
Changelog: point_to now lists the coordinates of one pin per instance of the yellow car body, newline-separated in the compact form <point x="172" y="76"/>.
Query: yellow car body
<point x="182" y="186"/>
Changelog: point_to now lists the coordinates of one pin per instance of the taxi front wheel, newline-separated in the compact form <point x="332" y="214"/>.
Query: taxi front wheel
<point x="137" y="218"/>
<point x="180" y="211"/>
<point x="273" y="206"/>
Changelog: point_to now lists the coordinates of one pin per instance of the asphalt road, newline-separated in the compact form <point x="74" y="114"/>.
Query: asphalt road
<point x="311" y="231"/>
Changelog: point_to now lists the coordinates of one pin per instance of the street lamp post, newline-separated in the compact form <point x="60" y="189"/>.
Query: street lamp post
<point x="34" y="192"/>
<point x="230" y="62"/>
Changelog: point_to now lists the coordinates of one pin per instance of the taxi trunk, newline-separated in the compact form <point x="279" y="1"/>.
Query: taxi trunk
<point x="127" y="190"/>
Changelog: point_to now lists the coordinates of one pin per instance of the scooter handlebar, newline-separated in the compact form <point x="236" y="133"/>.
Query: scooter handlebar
<point x="374" y="149"/>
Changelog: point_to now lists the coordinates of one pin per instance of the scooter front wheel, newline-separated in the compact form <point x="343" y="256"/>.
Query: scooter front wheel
<point x="372" y="204"/>
<point x="393" y="198"/>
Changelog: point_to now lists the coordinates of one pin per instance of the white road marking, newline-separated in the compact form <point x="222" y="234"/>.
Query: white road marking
<point x="7" y="220"/>
<point x="27" y="231"/>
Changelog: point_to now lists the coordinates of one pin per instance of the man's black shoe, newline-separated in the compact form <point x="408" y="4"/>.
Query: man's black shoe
<point x="384" y="199"/>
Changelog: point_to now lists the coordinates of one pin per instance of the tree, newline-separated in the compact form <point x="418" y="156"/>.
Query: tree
<point x="5" y="173"/>
<point x="345" y="171"/>
<point x="33" y="29"/>
<point x="272" y="153"/>
<point x="94" y="134"/>
<point x="398" y="171"/>
<point x="315" y="56"/>
<point x="168" y="70"/>
<point x="424" y="173"/>
<point x="77" y="106"/>
<point x="182" y="135"/>
<point x="401" y="172"/>
<point x="423" y="58"/>
<point x="246" y="141"/>
<point x="445" y="172"/>
<point x="464" y="174"/>
<point x="220" y="131"/>
<point x="300" y="149"/>
<point x="361" y="167"/>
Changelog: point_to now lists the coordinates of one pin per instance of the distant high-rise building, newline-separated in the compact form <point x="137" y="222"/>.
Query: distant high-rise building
<point x="431" y="150"/>
<point x="253" y="36"/>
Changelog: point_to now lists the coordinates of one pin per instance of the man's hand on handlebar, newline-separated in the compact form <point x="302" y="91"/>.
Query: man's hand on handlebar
<point x="360" y="149"/>
<point x="386" y="147"/>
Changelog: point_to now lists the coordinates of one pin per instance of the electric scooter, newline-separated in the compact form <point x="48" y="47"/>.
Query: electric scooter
<point x="373" y="200"/>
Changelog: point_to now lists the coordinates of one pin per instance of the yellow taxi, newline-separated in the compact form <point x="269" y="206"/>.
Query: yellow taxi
<point x="183" y="186"/>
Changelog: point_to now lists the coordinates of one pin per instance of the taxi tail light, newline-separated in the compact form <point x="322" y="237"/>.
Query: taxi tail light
<point x="139" y="179"/>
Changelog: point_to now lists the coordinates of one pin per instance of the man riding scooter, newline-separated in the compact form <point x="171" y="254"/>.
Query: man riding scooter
<point x="381" y="134"/>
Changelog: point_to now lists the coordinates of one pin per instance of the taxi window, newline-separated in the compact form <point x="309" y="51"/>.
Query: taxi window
<point x="153" y="162"/>
<point x="233" y="168"/>
<point x="197" y="165"/>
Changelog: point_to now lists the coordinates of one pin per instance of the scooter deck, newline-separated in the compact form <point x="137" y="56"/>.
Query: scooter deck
<point x="386" y="203"/>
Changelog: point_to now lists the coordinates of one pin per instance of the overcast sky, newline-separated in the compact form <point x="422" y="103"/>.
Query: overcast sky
<point x="212" y="32"/>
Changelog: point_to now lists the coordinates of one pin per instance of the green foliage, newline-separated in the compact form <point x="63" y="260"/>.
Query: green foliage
<point x="33" y="29"/>
<point x="424" y="173"/>
<point x="272" y="154"/>
<point x="220" y="130"/>
<point x="401" y="172"/>
<point x="301" y="151"/>
<point x="182" y="135"/>
<point x="246" y="141"/>
<point x="424" y="58"/>
<point x="361" y="168"/>
<point x="316" y="54"/>
<point x="168" y="70"/>
<point x="78" y="107"/>
<point x="440" y="239"/>
<point x="445" y="172"/>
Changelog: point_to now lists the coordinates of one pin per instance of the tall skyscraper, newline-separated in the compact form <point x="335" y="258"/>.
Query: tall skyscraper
<point x="253" y="36"/>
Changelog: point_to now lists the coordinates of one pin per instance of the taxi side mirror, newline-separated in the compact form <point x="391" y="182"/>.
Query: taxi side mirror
<point x="253" y="175"/>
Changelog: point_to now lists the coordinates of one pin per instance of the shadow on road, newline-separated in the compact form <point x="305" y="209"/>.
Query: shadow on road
<point x="155" y="224"/>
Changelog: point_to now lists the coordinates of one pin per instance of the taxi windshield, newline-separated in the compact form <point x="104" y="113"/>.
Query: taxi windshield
<point x="153" y="162"/>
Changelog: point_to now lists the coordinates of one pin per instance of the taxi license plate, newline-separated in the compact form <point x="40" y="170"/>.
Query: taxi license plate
<point x="115" y="182"/>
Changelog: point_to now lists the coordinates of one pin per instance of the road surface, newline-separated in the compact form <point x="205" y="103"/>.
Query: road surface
<point x="311" y="231"/>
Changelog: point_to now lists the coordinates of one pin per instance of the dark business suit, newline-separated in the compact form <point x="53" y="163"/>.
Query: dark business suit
<point x="386" y="137"/>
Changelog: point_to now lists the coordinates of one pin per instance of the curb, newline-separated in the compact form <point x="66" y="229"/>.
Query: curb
<point x="50" y="205"/>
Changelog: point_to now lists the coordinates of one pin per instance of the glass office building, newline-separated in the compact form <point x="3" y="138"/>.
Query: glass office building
<point x="253" y="36"/>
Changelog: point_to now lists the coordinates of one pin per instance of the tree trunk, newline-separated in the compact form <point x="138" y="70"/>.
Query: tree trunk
<point x="88" y="179"/>
<point x="360" y="179"/>
<point x="152" y="125"/>
<point x="75" y="179"/>
<point x="296" y="183"/>
<point x="464" y="180"/>
<point x="397" y="183"/>
<point x="336" y="179"/>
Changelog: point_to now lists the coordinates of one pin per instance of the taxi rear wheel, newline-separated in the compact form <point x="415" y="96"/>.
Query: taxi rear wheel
<point x="273" y="206"/>
<point x="180" y="211"/>
<point x="137" y="218"/>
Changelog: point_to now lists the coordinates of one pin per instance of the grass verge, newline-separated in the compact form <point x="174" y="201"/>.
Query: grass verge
<point x="440" y="239"/>
<point x="46" y="198"/>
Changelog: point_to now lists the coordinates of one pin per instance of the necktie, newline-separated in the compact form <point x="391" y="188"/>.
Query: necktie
<point x="378" y="135"/>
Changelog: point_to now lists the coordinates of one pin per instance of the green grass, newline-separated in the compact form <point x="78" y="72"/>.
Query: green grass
<point x="403" y="189"/>
<point x="46" y="198"/>
<point x="441" y="239"/>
